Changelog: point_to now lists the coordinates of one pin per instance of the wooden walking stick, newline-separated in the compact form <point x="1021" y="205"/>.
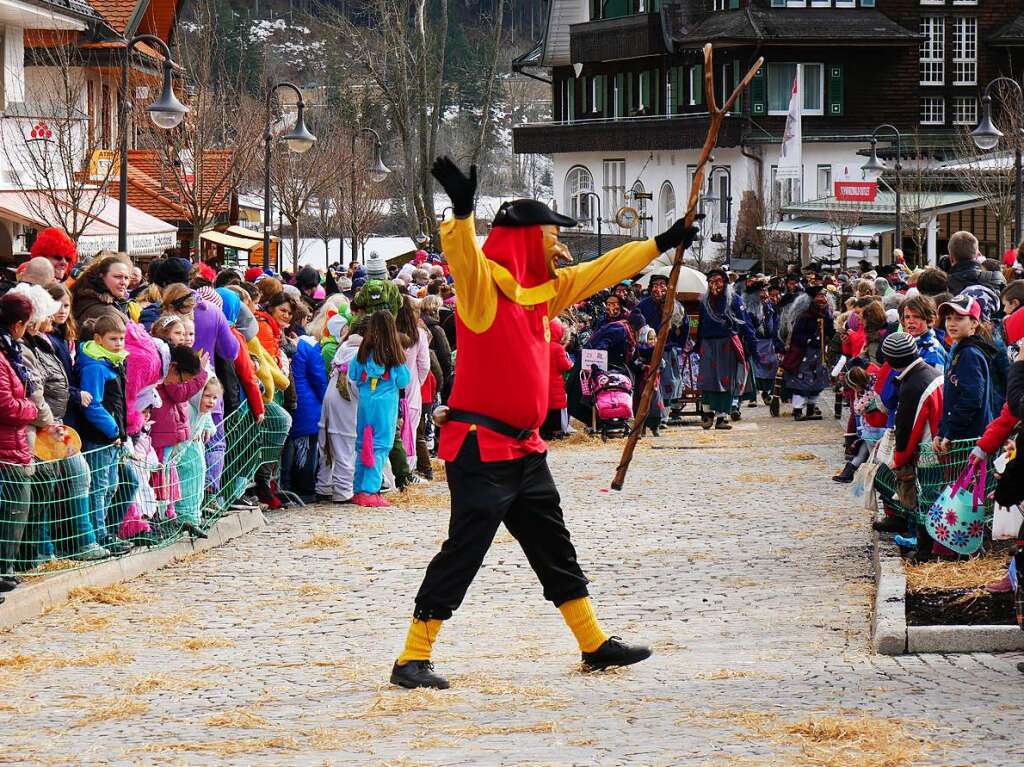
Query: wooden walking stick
<point x="717" y="117"/>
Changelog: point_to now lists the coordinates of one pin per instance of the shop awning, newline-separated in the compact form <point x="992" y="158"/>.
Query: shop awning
<point x="231" y="241"/>
<point x="147" y="236"/>
<point x="826" y="228"/>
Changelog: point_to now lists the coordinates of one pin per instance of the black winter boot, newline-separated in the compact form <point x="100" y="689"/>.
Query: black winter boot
<point x="417" y="673"/>
<point x="798" y="414"/>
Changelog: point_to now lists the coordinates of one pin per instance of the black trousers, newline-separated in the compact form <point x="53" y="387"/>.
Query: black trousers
<point x="522" y="494"/>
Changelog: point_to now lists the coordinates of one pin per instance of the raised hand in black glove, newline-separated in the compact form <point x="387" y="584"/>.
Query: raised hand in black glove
<point x="461" y="189"/>
<point x="678" y="234"/>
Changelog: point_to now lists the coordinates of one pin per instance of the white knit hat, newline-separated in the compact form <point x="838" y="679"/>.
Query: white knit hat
<point x="43" y="304"/>
<point x="376" y="269"/>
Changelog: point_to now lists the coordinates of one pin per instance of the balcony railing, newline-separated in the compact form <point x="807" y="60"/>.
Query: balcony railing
<point x="661" y="132"/>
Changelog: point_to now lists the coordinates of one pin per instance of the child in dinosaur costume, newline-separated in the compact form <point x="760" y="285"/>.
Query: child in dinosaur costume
<point x="496" y="462"/>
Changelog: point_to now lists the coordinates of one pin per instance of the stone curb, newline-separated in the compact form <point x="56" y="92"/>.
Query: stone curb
<point x="890" y="634"/>
<point x="36" y="596"/>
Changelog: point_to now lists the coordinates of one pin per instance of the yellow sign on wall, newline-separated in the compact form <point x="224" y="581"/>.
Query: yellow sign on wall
<point x="102" y="164"/>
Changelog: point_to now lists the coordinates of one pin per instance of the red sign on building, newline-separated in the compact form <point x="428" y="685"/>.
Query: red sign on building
<point x="856" y="191"/>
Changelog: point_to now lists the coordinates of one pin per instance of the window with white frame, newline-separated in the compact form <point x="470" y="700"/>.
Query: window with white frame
<point x="640" y="203"/>
<point x="614" y="186"/>
<point x="579" y="181"/>
<point x="783" y="191"/>
<point x="696" y="85"/>
<point x="933" y="110"/>
<point x="965" y="2"/>
<point x="666" y="206"/>
<point x="933" y="2"/>
<point x="824" y="179"/>
<point x="965" y="50"/>
<point x="811" y="82"/>
<point x="965" y="110"/>
<point x="933" y="50"/>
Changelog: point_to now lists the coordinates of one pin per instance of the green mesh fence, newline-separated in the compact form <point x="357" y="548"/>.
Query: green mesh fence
<point x="57" y="515"/>
<point x="935" y="472"/>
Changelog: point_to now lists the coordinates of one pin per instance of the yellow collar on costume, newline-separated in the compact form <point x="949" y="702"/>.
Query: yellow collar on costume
<point x="539" y="294"/>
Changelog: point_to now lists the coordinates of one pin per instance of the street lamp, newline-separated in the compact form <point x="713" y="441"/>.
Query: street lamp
<point x="986" y="137"/>
<point x="728" y="210"/>
<point x="378" y="172"/>
<point x="875" y="167"/>
<point x="597" y="197"/>
<point x="298" y="139"/>
<point x="166" y="112"/>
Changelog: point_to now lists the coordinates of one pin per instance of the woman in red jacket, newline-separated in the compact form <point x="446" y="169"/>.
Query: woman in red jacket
<point x="17" y="411"/>
<point x="560" y="364"/>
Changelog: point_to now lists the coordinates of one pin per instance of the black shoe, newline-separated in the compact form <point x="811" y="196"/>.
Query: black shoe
<point x="7" y="584"/>
<point x="814" y="413"/>
<point x="846" y="475"/>
<point x="655" y="431"/>
<point x="890" y="525"/>
<point x="194" y="531"/>
<point x="774" y="407"/>
<point x="417" y="673"/>
<point x="615" y="652"/>
<point x="707" y="421"/>
<point x="798" y="414"/>
<point x="321" y="498"/>
<point x="737" y="414"/>
<point x="723" y="423"/>
<point x="117" y="547"/>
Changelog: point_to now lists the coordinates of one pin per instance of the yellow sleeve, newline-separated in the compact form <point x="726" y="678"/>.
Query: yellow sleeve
<point x="477" y="294"/>
<point x="575" y="283"/>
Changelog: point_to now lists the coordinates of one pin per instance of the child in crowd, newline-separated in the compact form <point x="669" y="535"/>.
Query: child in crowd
<point x="967" y="390"/>
<point x="869" y="413"/>
<point x="917" y="315"/>
<point x="337" y="445"/>
<point x="100" y="370"/>
<point x="171" y="427"/>
<point x="170" y="328"/>
<point x="190" y="457"/>
<point x="310" y="382"/>
<point x="380" y="372"/>
<point x="559" y="364"/>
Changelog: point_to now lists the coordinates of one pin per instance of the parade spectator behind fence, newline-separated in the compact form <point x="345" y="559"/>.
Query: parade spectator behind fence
<point x="430" y="310"/>
<point x="17" y="411"/>
<point x="917" y="316"/>
<point x="966" y="268"/>
<point x="416" y="344"/>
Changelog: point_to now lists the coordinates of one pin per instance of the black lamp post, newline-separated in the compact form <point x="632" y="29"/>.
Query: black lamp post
<point x="299" y="140"/>
<point x="728" y="210"/>
<point x="986" y="137"/>
<point x="378" y="172"/>
<point x="875" y="167"/>
<point x="166" y="112"/>
<point x="597" y="197"/>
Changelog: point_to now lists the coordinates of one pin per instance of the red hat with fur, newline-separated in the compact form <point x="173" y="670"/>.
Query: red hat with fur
<point x="53" y="242"/>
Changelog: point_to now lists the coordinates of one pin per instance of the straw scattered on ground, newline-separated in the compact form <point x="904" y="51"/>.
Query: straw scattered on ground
<point x="173" y="620"/>
<point x="47" y="661"/>
<point x="232" y="747"/>
<point x="84" y="624"/>
<point x="159" y="682"/>
<point x="579" y="438"/>
<point x="949" y="576"/>
<point x="316" y="590"/>
<point x="321" y="539"/>
<point x="725" y="673"/>
<point x="801" y="456"/>
<point x="426" y="496"/>
<point x="241" y="718"/>
<point x="204" y="643"/>
<point x="53" y="566"/>
<point x="116" y="708"/>
<point x="439" y="469"/>
<point x="117" y="594"/>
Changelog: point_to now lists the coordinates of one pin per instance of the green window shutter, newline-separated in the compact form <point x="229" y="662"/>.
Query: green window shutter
<point x="835" y="90"/>
<point x="628" y="103"/>
<point x="734" y="4"/>
<point x="675" y="78"/>
<point x="651" y="98"/>
<point x="758" y="93"/>
<point x="602" y="85"/>
<point x="615" y="8"/>
<point x="778" y="3"/>
<point x="736" y="76"/>
<point x="867" y="3"/>
<point x="619" y="107"/>
<point x="571" y="85"/>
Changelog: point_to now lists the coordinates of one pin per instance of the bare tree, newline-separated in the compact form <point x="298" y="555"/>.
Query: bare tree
<point x="490" y="81"/>
<point x="843" y="218"/>
<point x="921" y="185"/>
<point x="51" y="143"/>
<point x="362" y="201"/>
<point x="207" y="157"/>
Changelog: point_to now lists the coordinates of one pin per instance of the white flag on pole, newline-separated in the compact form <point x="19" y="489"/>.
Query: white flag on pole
<point x="791" y="156"/>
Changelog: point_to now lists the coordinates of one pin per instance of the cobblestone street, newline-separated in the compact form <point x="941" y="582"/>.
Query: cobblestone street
<point x="733" y="554"/>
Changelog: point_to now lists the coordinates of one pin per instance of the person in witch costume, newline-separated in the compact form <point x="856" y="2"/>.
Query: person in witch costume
<point x="495" y="460"/>
<point x="804" y="361"/>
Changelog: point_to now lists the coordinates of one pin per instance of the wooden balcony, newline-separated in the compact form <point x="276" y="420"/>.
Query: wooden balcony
<point x="631" y="134"/>
<point x="627" y="37"/>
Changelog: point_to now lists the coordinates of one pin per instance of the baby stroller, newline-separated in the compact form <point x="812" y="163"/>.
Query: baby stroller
<point x="612" y="392"/>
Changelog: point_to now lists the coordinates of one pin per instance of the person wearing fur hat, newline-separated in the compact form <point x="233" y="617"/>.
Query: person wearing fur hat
<point x="496" y="462"/>
<point x="804" y="361"/>
<point x="764" y="320"/>
<point x="54" y="245"/>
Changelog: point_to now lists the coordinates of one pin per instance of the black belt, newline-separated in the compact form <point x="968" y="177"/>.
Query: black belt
<point x="479" y="419"/>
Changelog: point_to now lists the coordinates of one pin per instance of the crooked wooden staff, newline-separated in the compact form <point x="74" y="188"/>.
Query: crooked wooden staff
<point x="717" y="118"/>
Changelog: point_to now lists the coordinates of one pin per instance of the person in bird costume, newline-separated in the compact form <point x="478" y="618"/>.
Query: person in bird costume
<point x="496" y="463"/>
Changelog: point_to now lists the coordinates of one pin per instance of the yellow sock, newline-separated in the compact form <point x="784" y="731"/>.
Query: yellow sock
<point x="420" y="640"/>
<point x="579" y="616"/>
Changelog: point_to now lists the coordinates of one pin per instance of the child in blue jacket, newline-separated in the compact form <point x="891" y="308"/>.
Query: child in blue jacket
<point x="380" y="373"/>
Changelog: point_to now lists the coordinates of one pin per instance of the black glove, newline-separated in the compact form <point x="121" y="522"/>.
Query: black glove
<point x="677" y="234"/>
<point x="461" y="190"/>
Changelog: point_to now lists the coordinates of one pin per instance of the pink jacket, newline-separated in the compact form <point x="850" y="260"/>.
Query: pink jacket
<point x="17" y="411"/>
<point x="171" y="419"/>
<point x="144" y="368"/>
